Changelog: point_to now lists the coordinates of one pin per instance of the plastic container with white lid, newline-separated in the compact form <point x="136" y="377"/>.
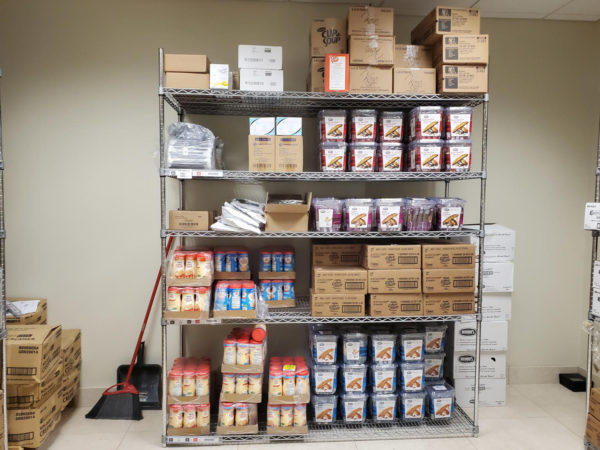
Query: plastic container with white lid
<point x="456" y="155"/>
<point x="333" y="125"/>
<point x="355" y="348"/>
<point x="435" y="338"/>
<point x="411" y="347"/>
<point x="383" y="378"/>
<point x="425" y="155"/>
<point x="391" y="126"/>
<point x="419" y="214"/>
<point x="412" y="376"/>
<point x="383" y="407"/>
<point x="434" y="366"/>
<point x="354" y="377"/>
<point x="449" y="213"/>
<point x="426" y="122"/>
<point x="458" y="121"/>
<point x="324" y="408"/>
<point x="412" y="406"/>
<point x="440" y="401"/>
<point x="353" y="407"/>
<point x="363" y="125"/>
<point x="383" y="347"/>
<point x="324" y="379"/>
<point x="324" y="348"/>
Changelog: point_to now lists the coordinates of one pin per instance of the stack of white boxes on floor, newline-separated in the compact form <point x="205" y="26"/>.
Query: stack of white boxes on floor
<point x="498" y="270"/>
<point x="260" y="68"/>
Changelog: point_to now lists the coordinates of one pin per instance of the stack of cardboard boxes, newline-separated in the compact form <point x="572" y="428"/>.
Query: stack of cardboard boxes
<point x="275" y="144"/>
<point x="413" y="70"/>
<point x="260" y="68"/>
<point x="71" y="355"/>
<point x="187" y="71"/>
<point x="326" y="36"/>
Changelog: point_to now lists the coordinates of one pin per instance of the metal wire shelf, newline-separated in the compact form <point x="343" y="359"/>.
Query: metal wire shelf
<point x="306" y="104"/>
<point x="459" y="426"/>
<point x="249" y="177"/>
<point x="318" y="234"/>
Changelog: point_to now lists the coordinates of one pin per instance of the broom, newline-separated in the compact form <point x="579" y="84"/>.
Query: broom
<point x="121" y="401"/>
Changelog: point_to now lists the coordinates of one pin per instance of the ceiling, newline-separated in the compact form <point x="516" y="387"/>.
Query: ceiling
<point x="588" y="10"/>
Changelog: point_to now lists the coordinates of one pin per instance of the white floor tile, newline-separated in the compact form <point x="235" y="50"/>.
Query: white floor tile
<point x="517" y="406"/>
<point x="88" y="441"/>
<point x="417" y="444"/>
<point x="152" y="422"/>
<point x="74" y="422"/>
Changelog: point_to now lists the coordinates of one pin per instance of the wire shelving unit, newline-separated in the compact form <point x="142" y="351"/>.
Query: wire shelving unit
<point x="3" y="285"/>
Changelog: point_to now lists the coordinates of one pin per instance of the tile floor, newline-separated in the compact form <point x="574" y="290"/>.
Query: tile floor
<point x="538" y="416"/>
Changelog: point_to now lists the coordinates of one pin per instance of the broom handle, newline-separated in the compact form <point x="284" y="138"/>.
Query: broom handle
<point x="137" y="347"/>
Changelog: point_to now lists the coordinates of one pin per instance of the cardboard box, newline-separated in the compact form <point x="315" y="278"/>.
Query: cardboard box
<point x="365" y="20"/>
<point x="219" y="76"/>
<point x="288" y="126"/>
<point x="328" y="36"/>
<point x="492" y="392"/>
<point x="316" y="77"/>
<point x="191" y="220"/>
<point x="31" y="395"/>
<point x="392" y="281"/>
<point x="462" y="49"/>
<point x="71" y="349"/>
<point x="408" y="56"/>
<point x="594" y="408"/>
<point x="339" y="280"/>
<point x="450" y="256"/>
<point x="262" y="126"/>
<point x="31" y="427"/>
<point x="498" y="277"/>
<point x="181" y="80"/>
<point x="448" y="304"/>
<point x="296" y="399"/>
<point x="391" y="256"/>
<point x="414" y="81"/>
<point x="444" y="20"/>
<point x="70" y="388"/>
<point x="242" y="369"/>
<point x="462" y="79"/>
<point x="186" y="63"/>
<point x="494" y="336"/>
<point x="395" y="305"/>
<point x="337" y="305"/>
<point x="289" y="153"/>
<point x="592" y="431"/>
<point x="499" y="244"/>
<point x="371" y="80"/>
<point x="371" y="50"/>
<point x="336" y="254"/>
<point x="32" y="352"/>
<point x="260" y="57"/>
<point x="492" y="365"/>
<point x="261" y="153"/>
<point x="288" y="431"/>
<point x="261" y="80"/>
<point x="496" y="306"/>
<point x="337" y="72"/>
<point x="36" y="311"/>
<point x="224" y="431"/>
<point x="281" y="217"/>
<point x="440" y="281"/>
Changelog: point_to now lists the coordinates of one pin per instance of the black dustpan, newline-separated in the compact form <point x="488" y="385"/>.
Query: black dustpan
<point x="147" y="380"/>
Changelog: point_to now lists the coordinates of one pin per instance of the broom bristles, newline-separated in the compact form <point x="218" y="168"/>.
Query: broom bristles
<point x="124" y="406"/>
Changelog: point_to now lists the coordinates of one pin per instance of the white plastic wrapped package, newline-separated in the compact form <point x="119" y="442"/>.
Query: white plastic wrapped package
<point x="192" y="146"/>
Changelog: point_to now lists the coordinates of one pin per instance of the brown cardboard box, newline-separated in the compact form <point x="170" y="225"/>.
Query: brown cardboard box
<point x="594" y="409"/>
<point x="408" y="56"/>
<point x="394" y="305"/>
<point x="186" y="63"/>
<point x="316" y="78"/>
<point x="38" y="317"/>
<point x="70" y="389"/>
<point x="31" y="395"/>
<point x="395" y="281"/>
<point x="370" y="20"/>
<point x="32" y="351"/>
<point x="191" y="220"/>
<point x="462" y="79"/>
<point x="450" y="256"/>
<point x="391" y="256"/>
<point x="414" y="81"/>
<point x="282" y="217"/>
<point x="592" y="431"/>
<point x="181" y="80"/>
<point x="339" y="280"/>
<point x="438" y="281"/>
<point x="371" y="80"/>
<point x="289" y="153"/>
<point x="337" y="305"/>
<point x="371" y="50"/>
<point x="31" y="427"/>
<point x="448" y="304"/>
<point x="327" y="36"/>
<point x="261" y="153"/>
<point x="71" y="349"/>
<point x="444" y="20"/>
<point x="462" y="49"/>
<point x="336" y="254"/>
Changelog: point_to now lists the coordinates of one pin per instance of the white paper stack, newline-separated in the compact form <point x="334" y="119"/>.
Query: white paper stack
<point x="241" y="216"/>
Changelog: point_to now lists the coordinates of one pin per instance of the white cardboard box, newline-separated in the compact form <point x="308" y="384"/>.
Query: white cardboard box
<point x="498" y="276"/>
<point x="596" y="275"/>
<point x="492" y="392"/>
<point x="260" y="57"/>
<point x="499" y="243"/>
<point x="494" y="336"/>
<point x="496" y="306"/>
<point x="261" y="80"/>
<point x="492" y="365"/>
<point x="596" y="303"/>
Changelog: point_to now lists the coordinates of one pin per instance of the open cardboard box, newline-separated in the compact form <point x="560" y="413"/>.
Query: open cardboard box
<point x="244" y="429"/>
<point x="37" y="317"/>
<point x="197" y="431"/>
<point x="281" y="303"/>
<point x="195" y="400"/>
<point x="296" y="399"/>
<point x="281" y="217"/>
<point x="288" y="430"/>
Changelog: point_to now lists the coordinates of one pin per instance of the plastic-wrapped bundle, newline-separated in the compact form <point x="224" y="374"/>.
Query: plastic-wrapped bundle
<point x="192" y="146"/>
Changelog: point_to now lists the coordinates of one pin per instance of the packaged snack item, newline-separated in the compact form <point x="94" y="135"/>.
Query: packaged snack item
<point x="229" y="351"/>
<point x="441" y="401"/>
<point x="390" y="214"/>
<point x="363" y="125"/>
<point x="426" y="122"/>
<point x="354" y="407"/>
<point x="188" y="298"/>
<point x="174" y="299"/>
<point x="383" y="378"/>
<point x="202" y="302"/>
<point x="243" y="264"/>
<point x="390" y="157"/>
<point x="435" y="338"/>
<point x="458" y="121"/>
<point x="202" y="380"/>
<point x="277" y="261"/>
<point x="176" y="416"/>
<point x="289" y="381"/>
<point x="358" y="215"/>
<point x="189" y="416"/>
<point x="203" y="415"/>
<point x="289" y="261"/>
<point x="219" y="261"/>
<point x="229" y="383"/>
<point x="221" y="296"/>
<point x="243" y="351"/>
<point x="175" y="382"/>
<point x="355" y="348"/>
<point x="332" y="123"/>
<point x="324" y="379"/>
<point x="204" y="264"/>
<point x="241" y="384"/>
<point x="234" y="294"/>
<point x="324" y="347"/>
<point x="327" y="214"/>
<point x="425" y="156"/>
<point x="231" y="262"/>
<point x="457" y="155"/>
<point x="449" y="213"/>
<point x="419" y="214"/>
<point x="254" y="383"/>
<point x="383" y="348"/>
<point x="300" y="415"/>
<point x="288" y="290"/>
<point x="190" y="266"/>
<point x="286" y="418"/>
<point x="324" y="408"/>
<point x="273" y="415"/>
<point x="412" y="376"/>
<point x="333" y="156"/>
<point x="354" y="377"/>
<point x="256" y="353"/>
<point x="265" y="261"/>
<point x="241" y="414"/>
<point x="178" y="265"/>
<point x="226" y="414"/>
<point x="391" y="126"/>
<point x="434" y="366"/>
<point x="277" y="289"/>
<point x="363" y="157"/>
<point x="302" y="381"/>
<point x="412" y="406"/>
<point x="248" y="293"/>
<point x="411" y="346"/>
<point x="188" y="387"/>
<point x="383" y="407"/>
<point x="275" y="381"/>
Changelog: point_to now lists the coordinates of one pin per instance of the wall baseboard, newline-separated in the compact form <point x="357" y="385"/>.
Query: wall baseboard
<point x="539" y="374"/>
<point x="88" y="397"/>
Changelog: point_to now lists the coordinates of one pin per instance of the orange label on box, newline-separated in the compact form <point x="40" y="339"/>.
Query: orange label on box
<point x="337" y="69"/>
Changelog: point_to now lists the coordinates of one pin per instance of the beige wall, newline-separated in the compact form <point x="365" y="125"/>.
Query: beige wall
<point x="80" y="134"/>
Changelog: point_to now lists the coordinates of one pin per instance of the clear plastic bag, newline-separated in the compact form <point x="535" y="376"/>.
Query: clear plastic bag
<point x="192" y="146"/>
